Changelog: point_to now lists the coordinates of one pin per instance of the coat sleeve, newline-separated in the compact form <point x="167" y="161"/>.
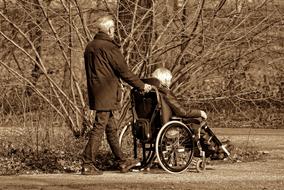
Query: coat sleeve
<point x="121" y="69"/>
<point x="178" y="109"/>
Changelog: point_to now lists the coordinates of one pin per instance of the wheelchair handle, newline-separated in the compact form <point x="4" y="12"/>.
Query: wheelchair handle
<point x="158" y="95"/>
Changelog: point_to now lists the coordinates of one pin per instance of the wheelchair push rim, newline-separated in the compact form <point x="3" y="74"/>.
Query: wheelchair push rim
<point x="174" y="147"/>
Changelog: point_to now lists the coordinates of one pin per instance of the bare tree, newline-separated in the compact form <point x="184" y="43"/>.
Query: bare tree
<point x="212" y="47"/>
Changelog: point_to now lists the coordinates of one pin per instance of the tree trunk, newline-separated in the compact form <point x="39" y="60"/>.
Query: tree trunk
<point x="36" y="37"/>
<point x="67" y="77"/>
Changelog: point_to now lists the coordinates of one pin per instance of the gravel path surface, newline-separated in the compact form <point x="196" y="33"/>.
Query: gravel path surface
<point x="266" y="174"/>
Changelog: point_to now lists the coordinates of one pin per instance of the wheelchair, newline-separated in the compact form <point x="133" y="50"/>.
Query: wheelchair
<point x="154" y="135"/>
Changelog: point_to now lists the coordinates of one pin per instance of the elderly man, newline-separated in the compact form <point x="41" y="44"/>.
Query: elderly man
<point x="104" y="66"/>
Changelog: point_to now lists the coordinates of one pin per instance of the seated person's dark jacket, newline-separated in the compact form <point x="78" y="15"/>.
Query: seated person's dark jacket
<point x="170" y="99"/>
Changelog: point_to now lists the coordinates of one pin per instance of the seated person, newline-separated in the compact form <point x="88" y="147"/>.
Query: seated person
<point x="195" y="116"/>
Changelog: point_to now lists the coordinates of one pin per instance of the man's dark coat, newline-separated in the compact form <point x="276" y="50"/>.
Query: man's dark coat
<point x="105" y="65"/>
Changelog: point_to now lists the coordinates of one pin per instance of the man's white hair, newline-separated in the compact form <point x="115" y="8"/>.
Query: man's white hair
<point x="164" y="76"/>
<point x="105" y="23"/>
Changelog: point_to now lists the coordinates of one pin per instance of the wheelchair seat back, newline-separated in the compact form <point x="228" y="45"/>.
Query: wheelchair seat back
<point x="146" y="112"/>
<point x="166" y="112"/>
<point x="144" y="104"/>
<point x="150" y="113"/>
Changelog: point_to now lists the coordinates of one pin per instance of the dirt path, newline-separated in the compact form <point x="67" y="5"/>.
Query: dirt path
<point x="267" y="174"/>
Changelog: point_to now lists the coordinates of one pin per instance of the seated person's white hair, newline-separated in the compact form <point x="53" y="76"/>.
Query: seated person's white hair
<point x="163" y="75"/>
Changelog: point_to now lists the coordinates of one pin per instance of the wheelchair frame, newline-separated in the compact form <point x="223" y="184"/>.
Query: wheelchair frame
<point x="173" y="144"/>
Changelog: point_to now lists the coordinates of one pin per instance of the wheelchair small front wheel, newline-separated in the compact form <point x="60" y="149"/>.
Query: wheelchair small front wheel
<point x="174" y="147"/>
<point x="200" y="166"/>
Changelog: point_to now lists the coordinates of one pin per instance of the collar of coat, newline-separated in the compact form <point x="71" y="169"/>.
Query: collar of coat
<point x="103" y="36"/>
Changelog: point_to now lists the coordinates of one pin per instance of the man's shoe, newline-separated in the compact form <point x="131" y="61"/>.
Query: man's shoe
<point x="128" y="164"/>
<point x="90" y="170"/>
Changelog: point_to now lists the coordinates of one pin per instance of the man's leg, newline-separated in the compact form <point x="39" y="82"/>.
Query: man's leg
<point x="112" y="138"/>
<point x="94" y="142"/>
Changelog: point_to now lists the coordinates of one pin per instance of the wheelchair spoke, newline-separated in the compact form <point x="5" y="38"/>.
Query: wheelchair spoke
<point x="175" y="147"/>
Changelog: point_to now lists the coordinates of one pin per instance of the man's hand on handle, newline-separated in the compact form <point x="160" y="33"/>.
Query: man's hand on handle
<point x="203" y="115"/>
<point x="147" y="88"/>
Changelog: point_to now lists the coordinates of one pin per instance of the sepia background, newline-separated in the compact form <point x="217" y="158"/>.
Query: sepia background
<point x="226" y="57"/>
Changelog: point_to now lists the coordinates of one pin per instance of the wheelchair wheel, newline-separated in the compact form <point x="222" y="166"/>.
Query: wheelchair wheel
<point x="200" y="166"/>
<point x="133" y="148"/>
<point x="174" y="147"/>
